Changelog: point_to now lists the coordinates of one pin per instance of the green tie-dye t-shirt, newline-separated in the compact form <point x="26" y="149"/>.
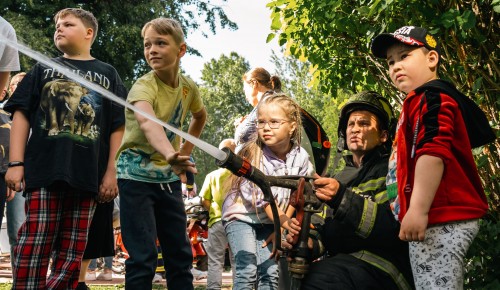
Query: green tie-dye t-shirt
<point x="136" y="158"/>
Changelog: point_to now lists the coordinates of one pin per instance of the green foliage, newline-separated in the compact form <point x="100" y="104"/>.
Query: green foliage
<point x="297" y="81"/>
<point x="483" y="269"/>
<point x="222" y="94"/>
<point x="120" y="22"/>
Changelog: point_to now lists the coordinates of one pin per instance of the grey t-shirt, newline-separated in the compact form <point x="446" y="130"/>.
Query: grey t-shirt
<point x="9" y="57"/>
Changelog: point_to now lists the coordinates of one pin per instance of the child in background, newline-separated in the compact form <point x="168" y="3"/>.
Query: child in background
<point x="189" y="188"/>
<point x="62" y="172"/>
<point x="247" y="218"/>
<point x="440" y="195"/>
<point x="151" y="165"/>
<point x="213" y="192"/>
<point x="9" y="61"/>
<point x="15" y="200"/>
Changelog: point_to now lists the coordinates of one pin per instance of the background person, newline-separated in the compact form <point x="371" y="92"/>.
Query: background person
<point x="9" y="61"/>
<point x="9" y="57"/>
<point x="256" y="82"/>
<point x="212" y="193"/>
<point x="15" y="201"/>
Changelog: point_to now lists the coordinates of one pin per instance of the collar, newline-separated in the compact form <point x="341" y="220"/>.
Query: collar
<point x="294" y="151"/>
<point x="377" y="153"/>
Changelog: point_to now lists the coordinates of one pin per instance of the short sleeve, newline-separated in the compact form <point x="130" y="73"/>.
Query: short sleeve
<point x="142" y="90"/>
<point x="197" y="103"/>
<point x="205" y="191"/>
<point x="117" y="110"/>
<point x="9" y="56"/>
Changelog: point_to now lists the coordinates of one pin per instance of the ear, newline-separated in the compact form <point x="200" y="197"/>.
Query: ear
<point x="433" y="59"/>
<point x="182" y="49"/>
<point x="384" y="136"/>
<point x="90" y="33"/>
<point x="293" y="127"/>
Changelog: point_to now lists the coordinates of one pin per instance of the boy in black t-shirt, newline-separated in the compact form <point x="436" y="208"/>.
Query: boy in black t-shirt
<point x="68" y="161"/>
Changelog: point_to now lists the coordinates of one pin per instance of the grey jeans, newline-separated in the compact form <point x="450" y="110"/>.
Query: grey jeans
<point x="216" y="249"/>
<point x="15" y="218"/>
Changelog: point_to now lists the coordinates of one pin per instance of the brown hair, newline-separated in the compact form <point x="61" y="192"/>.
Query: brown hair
<point x="166" y="26"/>
<point x="85" y="16"/>
<point x="263" y="77"/>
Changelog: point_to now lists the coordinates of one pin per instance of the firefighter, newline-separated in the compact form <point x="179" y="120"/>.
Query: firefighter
<point x="359" y="238"/>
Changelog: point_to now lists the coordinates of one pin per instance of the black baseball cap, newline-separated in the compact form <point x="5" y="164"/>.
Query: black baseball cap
<point x="409" y="35"/>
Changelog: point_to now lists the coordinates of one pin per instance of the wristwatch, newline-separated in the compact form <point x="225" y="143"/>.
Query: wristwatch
<point x="15" y="163"/>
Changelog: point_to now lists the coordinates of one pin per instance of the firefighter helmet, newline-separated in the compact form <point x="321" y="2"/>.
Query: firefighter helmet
<point x="369" y="101"/>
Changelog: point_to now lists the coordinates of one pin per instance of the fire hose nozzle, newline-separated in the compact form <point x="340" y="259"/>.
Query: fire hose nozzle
<point x="234" y="163"/>
<point x="242" y="167"/>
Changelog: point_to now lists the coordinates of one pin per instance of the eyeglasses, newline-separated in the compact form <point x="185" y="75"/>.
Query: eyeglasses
<point x="273" y="124"/>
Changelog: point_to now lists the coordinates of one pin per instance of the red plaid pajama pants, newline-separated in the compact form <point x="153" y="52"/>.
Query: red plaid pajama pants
<point x="56" y="226"/>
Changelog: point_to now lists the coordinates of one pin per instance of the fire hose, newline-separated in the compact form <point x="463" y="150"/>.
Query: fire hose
<point x="303" y="198"/>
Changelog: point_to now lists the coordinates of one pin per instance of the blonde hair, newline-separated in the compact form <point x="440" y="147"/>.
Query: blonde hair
<point x="229" y="143"/>
<point x="263" y="77"/>
<point x="85" y="16"/>
<point x="165" y="26"/>
<point x="17" y="76"/>
<point x="252" y="150"/>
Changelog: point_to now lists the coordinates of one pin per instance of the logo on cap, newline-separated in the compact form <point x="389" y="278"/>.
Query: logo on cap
<point x="405" y="30"/>
<point x="431" y="41"/>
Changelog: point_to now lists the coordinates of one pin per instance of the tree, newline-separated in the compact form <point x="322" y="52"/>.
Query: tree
<point x="222" y="93"/>
<point x="120" y="22"/>
<point x="298" y="81"/>
<point x="335" y="37"/>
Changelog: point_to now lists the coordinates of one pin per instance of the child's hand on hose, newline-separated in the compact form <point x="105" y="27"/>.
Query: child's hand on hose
<point x="180" y="164"/>
<point x="269" y="240"/>
<point x="292" y="225"/>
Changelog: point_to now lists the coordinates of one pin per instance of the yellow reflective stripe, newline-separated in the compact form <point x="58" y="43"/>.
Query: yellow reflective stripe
<point x="373" y="184"/>
<point x="367" y="219"/>
<point x="381" y="197"/>
<point x="323" y="212"/>
<point x="385" y="266"/>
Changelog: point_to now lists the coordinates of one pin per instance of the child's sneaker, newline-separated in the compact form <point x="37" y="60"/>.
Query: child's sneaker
<point x="198" y="275"/>
<point x="157" y="278"/>
<point x="105" y="275"/>
<point x="90" y="275"/>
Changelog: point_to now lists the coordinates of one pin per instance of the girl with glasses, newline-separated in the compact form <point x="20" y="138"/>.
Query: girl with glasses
<point x="247" y="218"/>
